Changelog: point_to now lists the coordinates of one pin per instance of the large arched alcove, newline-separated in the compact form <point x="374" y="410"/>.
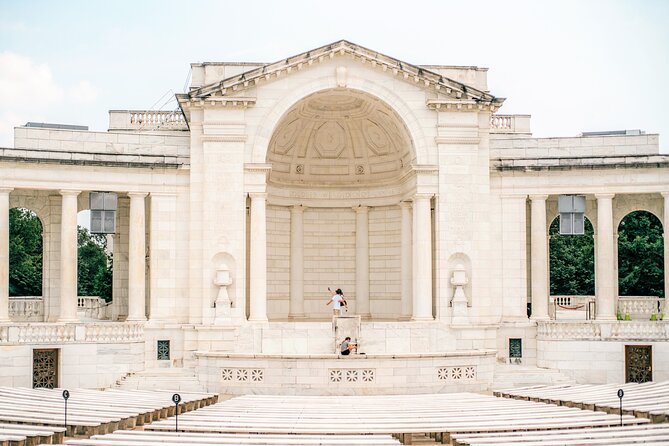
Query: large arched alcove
<point x="340" y="163"/>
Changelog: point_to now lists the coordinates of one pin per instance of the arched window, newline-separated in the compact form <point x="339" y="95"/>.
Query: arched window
<point x="640" y="255"/>
<point x="25" y="253"/>
<point x="572" y="262"/>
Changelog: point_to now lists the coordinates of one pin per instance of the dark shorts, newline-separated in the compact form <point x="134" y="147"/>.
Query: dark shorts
<point x="346" y="352"/>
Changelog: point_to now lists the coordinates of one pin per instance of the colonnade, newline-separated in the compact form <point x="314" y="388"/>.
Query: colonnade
<point x="68" y="256"/>
<point x="416" y="259"/>
<point x="605" y="256"/>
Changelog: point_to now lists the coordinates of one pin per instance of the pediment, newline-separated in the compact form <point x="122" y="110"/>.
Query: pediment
<point x="232" y="91"/>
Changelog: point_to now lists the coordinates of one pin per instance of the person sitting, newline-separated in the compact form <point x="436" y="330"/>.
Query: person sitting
<point x="347" y="346"/>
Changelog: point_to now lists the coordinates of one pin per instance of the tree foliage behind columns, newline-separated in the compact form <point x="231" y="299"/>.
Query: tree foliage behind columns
<point x="94" y="265"/>
<point x="572" y="262"/>
<point x="640" y="255"/>
<point x="25" y="253"/>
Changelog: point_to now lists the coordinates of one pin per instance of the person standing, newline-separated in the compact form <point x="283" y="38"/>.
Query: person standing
<point x="336" y="301"/>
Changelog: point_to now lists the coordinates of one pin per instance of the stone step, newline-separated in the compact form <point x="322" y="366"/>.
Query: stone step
<point x="509" y="376"/>
<point x="422" y="439"/>
<point x="161" y="379"/>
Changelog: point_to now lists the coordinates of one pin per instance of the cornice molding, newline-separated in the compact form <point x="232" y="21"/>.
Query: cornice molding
<point x="423" y="77"/>
<point x="224" y="138"/>
<point x="459" y="140"/>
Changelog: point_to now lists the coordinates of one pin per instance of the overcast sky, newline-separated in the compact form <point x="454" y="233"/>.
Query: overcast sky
<point x="573" y="65"/>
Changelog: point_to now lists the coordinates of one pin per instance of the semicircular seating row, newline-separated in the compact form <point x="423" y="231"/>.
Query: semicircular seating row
<point x="459" y="418"/>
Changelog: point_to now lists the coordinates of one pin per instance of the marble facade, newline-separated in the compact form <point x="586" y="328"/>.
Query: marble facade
<point x="338" y="167"/>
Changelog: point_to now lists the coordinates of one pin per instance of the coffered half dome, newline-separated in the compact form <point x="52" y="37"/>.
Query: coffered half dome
<point x="339" y="137"/>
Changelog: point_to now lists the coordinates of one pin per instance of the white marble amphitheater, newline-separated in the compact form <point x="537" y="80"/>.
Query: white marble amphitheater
<point x="337" y="167"/>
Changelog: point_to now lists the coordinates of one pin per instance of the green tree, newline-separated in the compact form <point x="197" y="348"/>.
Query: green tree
<point x="25" y="253"/>
<point x="640" y="255"/>
<point x="572" y="262"/>
<point x="94" y="265"/>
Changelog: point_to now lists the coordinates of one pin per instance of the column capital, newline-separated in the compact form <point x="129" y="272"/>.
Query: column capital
<point x="515" y="196"/>
<point x="6" y="190"/>
<point x="538" y="197"/>
<point x="604" y="196"/>
<point x="665" y="194"/>
<point x="361" y="209"/>
<point x="137" y="194"/>
<point x="405" y="204"/>
<point x="255" y="195"/>
<point x="297" y="209"/>
<point x="69" y="192"/>
<point x="423" y="196"/>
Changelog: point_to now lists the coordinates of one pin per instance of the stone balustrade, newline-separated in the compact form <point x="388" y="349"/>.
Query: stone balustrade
<point x="641" y="307"/>
<point x="603" y="330"/>
<point x="147" y="120"/>
<point x="59" y="333"/>
<point x="92" y="307"/>
<point x="510" y="124"/>
<point x="26" y="309"/>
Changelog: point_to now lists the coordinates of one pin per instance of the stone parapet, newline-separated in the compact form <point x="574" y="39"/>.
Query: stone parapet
<point x="603" y="330"/>
<point x="63" y="333"/>
<point x="570" y="163"/>
<point x="331" y="374"/>
<point x="121" y="146"/>
<point x="521" y="147"/>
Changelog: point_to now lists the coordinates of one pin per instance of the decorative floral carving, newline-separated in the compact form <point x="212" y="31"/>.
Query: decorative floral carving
<point x="335" y="376"/>
<point x="242" y="375"/>
<point x="456" y="373"/>
<point x="352" y="375"/>
<point x="257" y="375"/>
<point x="227" y="374"/>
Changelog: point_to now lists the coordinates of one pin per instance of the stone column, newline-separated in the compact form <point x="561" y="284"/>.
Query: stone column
<point x="406" y="247"/>
<point x="362" y="261"/>
<point x="68" y="256"/>
<point x="258" y="270"/>
<point x="604" y="261"/>
<point x="296" y="308"/>
<point x="422" y="258"/>
<point x="665" y="223"/>
<point x="4" y="254"/>
<point x="137" y="258"/>
<point x="539" y="252"/>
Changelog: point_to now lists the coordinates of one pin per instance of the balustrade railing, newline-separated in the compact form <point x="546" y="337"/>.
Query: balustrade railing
<point x="92" y="307"/>
<point x="603" y="330"/>
<point x="26" y="309"/>
<point x="510" y="124"/>
<point x="60" y="333"/>
<point x="146" y="120"/>
<point x="572" y="307"/>
<point x="641" y="307"/>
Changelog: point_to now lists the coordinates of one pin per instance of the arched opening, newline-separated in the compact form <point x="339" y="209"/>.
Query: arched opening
<point x="640" y="255"/>
<point x="338" y="157"/>
<point x="572" y="272"/>
<point x="25" y="253"/>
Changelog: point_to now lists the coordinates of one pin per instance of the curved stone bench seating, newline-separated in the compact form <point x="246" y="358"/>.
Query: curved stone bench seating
<point x="403" y="416"/>
<point x="647" y="400"/>
<point x="30" y="435"/>
<point x="91" y="412"/>
<point x="141" y="438"/>
<point x="622" y="435"/>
